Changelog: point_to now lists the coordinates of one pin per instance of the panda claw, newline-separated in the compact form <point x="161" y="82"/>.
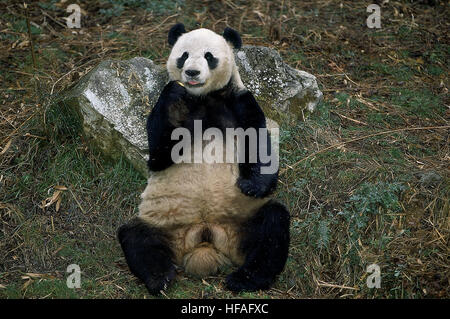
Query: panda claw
<point x="155" y="285"/>
<point x="249" y="188"/>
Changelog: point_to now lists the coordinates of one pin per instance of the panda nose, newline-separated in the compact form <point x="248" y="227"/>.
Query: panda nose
<point x="192" y="72"/>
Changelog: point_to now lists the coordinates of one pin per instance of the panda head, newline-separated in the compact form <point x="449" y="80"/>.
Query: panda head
<point x="203" y="60"/>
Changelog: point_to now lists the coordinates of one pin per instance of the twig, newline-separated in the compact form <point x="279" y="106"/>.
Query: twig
<point x="364" y="137"/>
<point x="79" y="205"/>
<point x="29" y="35"/>
<point x="53" y="19"/>
<point x="16" y="129"/>
<point x="325" y="284"/>
<point x="348" y="118"/>
<point x="157" y="27"/>
<point x="73" y="69"/>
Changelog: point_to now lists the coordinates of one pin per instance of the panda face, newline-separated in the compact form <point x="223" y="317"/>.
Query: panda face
<point x="202" y="60"/>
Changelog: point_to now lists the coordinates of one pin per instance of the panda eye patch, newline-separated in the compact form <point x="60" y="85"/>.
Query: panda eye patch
<point x="212" y="61"/>
<point x="208" y="56"/>
<point x="182" y="59"/>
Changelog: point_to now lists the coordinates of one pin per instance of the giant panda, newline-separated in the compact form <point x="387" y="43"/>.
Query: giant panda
<point x="203" y="217"/>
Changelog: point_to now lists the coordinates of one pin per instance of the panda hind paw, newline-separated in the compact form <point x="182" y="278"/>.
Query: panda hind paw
<point x="157" y="283"/>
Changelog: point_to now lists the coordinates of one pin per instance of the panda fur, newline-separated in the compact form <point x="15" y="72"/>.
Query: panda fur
<point x="202" y="216"/>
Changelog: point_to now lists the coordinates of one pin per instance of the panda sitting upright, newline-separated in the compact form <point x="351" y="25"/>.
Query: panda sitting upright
<point x="202" y="216"/>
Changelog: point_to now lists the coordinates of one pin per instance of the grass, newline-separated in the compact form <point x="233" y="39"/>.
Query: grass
<point x="354" y="201"/>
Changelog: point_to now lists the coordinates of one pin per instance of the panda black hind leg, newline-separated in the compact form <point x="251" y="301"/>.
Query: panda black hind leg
<point x="266" y="247"/>
<point x="148" y="254"/>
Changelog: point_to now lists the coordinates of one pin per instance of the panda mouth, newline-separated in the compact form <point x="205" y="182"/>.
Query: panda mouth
<point x="193" y="83"/>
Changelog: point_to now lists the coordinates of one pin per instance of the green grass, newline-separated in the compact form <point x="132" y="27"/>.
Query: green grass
<point x="420" y="103"/>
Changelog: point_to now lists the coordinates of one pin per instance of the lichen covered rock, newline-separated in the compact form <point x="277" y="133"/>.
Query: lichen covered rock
<point x="278" y="87"/>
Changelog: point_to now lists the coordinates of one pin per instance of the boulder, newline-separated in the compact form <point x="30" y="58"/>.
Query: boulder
<point x="113" y="100"/>
<point x="279" y="88"/>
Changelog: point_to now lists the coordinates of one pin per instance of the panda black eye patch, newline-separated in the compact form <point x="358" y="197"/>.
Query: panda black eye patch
<point x="182" y="59"/>
<point x="212" y="61"/>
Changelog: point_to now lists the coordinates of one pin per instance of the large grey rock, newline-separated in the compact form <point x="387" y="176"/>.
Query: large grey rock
<point x="279" y="88"/>
<point x="113" y="100"/>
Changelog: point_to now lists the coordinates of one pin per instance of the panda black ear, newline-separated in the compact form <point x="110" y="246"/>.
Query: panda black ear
<point x="175" y="32"/>
<point x="233" y="37"/>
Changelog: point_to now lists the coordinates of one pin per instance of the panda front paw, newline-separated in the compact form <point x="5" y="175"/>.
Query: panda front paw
<point x="242" y="280"/>
<point x="159" y="282"/>
<point x="177" y="109"/>
<point x="175" y="90"/>
<point x="251" y="187"/>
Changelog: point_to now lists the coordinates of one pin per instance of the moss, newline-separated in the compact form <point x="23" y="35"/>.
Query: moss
<point x="299" y="107"/>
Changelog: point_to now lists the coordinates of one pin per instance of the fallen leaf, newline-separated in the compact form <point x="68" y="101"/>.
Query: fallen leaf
<point x="50" y="200"/>
<point x="27" y="283"/>
<point x="36" y="275"/>
<point x="6" y="147"/>
<point x="58" y="203"/>
<point x="23" y="44"/>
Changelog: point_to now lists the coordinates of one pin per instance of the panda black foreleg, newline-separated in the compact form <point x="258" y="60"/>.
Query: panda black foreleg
<point x="167" y="114"/>
<point x="148" y="254"/>
<point x="252" y="180"/>
<point x="266" y="247"/>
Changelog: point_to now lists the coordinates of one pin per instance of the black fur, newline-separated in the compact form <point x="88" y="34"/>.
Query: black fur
<point x="175" y="32"/>
<point x="182" y="59"/>
<point x="148" y="254"/>
<point x="233" y="37"/>
<point x="212" y="61"/>
<point x="221" y="109"/>
<point x="266" y="246"/>
<point x="159" y="127"/>
<point x="251" y="181"/>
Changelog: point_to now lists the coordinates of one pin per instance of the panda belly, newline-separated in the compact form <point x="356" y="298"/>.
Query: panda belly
<point x="202" y="209"/>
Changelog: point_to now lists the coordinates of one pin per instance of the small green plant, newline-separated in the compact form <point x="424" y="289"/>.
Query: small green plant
<point x="317" y="226"/>
<point x="49" y="5"/>
<point x="368" y="201"/>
